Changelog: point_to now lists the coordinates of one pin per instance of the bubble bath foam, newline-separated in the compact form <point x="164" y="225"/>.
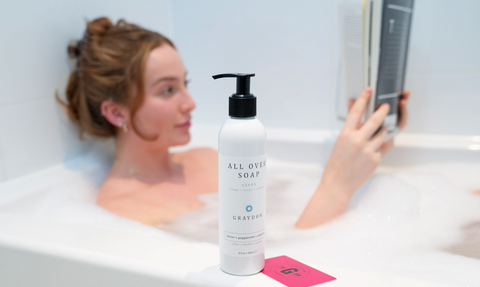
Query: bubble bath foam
<point x="242" y="184"/>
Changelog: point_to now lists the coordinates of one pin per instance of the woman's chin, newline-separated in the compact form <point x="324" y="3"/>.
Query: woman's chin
<point x="182" y="139"/>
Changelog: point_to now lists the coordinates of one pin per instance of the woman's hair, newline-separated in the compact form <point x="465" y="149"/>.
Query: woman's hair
<point x="110" y="66"/>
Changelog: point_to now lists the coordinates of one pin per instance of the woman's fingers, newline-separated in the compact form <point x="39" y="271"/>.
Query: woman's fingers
<point x="403" y="114"/>
<point x="377" y="140"/>
<point x="405" y="95"/>
<point x="386" y="147"/>
<point x="356" y="112"/>
<point x="402" y="103"/>
<point x="374" y="122"/>
<point x="350" y="104"/>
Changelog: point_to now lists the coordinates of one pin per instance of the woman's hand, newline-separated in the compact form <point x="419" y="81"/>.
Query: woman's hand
<point x="355" y="156"/>
<point x="403" y="117"/>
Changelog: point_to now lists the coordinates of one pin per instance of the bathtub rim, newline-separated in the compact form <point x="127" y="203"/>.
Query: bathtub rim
<point x="188" y="275"/>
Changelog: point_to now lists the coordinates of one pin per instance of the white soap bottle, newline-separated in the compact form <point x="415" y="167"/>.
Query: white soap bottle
<point x="241" y="183"/>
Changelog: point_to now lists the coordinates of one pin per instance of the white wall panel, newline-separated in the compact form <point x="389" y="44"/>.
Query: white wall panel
<point x="292" y="46"/>
<point x="444" y="104"/>
<point x="36" y="135"/>
<point x="445" y="37"/>
<point x="33" y="64"/>
<point x="283" y="42"/>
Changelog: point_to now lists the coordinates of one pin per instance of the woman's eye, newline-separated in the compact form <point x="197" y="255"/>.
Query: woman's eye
<point x="167" y="91"/>
<point x="187" y="82"/>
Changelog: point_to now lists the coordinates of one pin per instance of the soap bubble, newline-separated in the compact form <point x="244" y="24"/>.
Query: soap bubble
<point x="421" y="222"/>
<point x="404" y="223"/>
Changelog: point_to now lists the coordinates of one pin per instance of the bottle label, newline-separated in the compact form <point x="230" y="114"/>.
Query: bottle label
<point x="242" y="192"/>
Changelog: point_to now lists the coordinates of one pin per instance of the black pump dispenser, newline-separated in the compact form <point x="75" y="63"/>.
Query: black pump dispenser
<point x="242" y="104"/>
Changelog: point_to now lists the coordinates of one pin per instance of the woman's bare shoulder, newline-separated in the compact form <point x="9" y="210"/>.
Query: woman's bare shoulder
<point x="204" y="151"/>
<point x="201" y="166"/>
<point x="203" y="155"/>
<point x="113" y="188"/>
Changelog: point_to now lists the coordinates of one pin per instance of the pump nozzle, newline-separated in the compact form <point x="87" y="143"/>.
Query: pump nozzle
<point x="243" y="82"/>
<point x="242" y="104"/>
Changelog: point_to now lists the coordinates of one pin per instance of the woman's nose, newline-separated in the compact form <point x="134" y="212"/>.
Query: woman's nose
<point x="188" y="104"/>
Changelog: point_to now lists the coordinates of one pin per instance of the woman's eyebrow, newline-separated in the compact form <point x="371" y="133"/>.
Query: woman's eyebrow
<point x="164" y="79"/>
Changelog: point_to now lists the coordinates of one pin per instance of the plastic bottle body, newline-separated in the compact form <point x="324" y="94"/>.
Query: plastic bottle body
<point x="242" y="196"/>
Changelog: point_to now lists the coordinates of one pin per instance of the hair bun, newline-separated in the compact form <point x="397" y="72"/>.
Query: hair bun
<point x="73" y="49"/>
<point x="99" y="27"/>
<point x="96" y="28"/>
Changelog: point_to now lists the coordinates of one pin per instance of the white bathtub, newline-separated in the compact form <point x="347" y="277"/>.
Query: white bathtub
<point x="78" y="244"/>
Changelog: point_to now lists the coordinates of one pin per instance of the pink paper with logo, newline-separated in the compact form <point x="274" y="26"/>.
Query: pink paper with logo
<point x="293" y="273"/>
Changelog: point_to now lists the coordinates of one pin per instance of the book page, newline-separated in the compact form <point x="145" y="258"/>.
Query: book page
<point x="350" y="78"/>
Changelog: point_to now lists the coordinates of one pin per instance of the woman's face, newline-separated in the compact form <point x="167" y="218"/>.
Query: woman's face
<point x="166" y="109"/>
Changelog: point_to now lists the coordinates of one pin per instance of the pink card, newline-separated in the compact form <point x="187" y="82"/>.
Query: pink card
<point x="293" y="273"/>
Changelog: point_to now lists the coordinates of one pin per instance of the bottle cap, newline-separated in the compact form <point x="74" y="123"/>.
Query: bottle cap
<point x="242" y="104"/>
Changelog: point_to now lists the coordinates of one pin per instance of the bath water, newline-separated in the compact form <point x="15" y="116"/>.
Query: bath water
<point x="407" y="223"/>
<point x="419" y="222"/>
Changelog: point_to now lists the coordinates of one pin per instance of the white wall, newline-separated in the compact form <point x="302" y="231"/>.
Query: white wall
<point x="292" y="47"/>
<point x="288" y="44"/>
<point x="34" y="132"/>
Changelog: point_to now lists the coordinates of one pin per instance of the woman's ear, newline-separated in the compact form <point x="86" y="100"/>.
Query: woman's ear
<point x="116" y="114"/>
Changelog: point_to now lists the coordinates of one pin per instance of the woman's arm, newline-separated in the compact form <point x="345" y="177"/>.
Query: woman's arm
<point x="354" y="158"/>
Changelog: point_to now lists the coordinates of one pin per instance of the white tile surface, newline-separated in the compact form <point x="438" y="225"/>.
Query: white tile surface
<point x="274" y="37"/>
<point x="36" y="135"/>
<point x="287" y="44"/>
<point x="35" y="35"/>
<point x="444" y="104"/>
<point x="2" y="165"/>
<point x="305" y="102"/>
<point x="445" y="37"/>
<point x="292" y="46"/>
<point x="33" y="64"/>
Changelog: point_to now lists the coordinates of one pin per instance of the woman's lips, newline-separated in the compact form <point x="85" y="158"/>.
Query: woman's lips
<point x="185" y="125"/>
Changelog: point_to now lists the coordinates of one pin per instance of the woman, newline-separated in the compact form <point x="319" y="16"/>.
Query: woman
<point x="130" y="83"/>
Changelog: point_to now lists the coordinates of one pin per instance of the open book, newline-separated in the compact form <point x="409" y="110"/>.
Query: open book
<point x="373" y="52"/>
